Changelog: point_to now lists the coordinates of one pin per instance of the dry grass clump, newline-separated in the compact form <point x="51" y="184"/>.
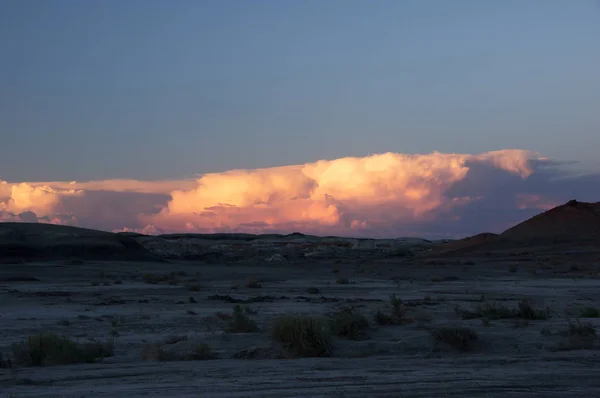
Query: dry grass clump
<point x="590" y="312"/>
<point x="461" y="338"/>
<point x="240" y="322"/>
<point x="578" y="336"/>
<point x="155" y="352"/>
<point x="494" y="310"/>
<point x="397" y="315"/>
<point x="5" y="361"/>
<point x="201" y="352"/>
<point x="175" y="338"/>
<point x="194" y="288"/>
<point x="48" y="348"/>
<point x="526" y="311"/>
<point x="303" y="335"/>
<point x="348" y="324"/>
<point x="172" y="278"/>
<point x="254" y="283"/>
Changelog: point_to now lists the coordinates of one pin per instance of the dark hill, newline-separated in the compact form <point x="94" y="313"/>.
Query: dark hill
<point x="33" y="241"/>
<point x="572" y="221"/>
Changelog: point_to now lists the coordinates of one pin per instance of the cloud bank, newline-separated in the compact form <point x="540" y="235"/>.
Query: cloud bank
<point x="384" y="195"/>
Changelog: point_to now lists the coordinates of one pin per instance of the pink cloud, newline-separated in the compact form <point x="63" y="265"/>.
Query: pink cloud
<point x="382" y="194"/>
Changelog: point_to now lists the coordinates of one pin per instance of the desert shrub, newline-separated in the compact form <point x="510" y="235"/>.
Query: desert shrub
<point x="382" y="318"/>
<point x="304" y="336"/>
<point x="578" y="336"/>
<point x="526" y="311"/>
<point x="493" y="311"/>
<point x="155" y="278"/>
<point x="201" y="352"/>
<point x="397" y="316"/>
<point x="254" y="283"/>
<point x="154" y="352"/>
<point x="312" y="290"/>
<point x="175" y="338"/>
<point x="398" y="308"/>
<point x="172" y="277"/>
<point x="461" y="338"/>
<point x="348" y="324"/>
<point x="194" y="288"/>
<point x="240" y="322"/>
<point x="117" y="321"/>
<point x="49" y="348"/>
<point x="5" y="361"/>
<point x="342" y="281"/>
<point x="590" y="312"/>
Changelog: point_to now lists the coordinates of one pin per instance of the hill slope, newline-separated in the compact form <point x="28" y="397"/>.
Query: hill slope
<point x="572" y="221"/>
<point x="33" y="241"/>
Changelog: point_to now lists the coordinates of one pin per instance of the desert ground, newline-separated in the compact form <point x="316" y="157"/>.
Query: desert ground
<point x="502" y="320"/>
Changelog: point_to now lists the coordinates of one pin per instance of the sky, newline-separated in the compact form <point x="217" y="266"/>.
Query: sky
<point x="342" y="116"/>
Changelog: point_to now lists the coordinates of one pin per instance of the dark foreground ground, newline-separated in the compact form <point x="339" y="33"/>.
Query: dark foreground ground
<point x="157" y="313"/>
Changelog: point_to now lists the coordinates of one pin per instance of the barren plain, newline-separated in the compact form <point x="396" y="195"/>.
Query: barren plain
<point x="418" y="322"/>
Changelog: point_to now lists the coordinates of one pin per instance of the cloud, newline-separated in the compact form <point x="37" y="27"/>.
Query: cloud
<point x="388" y="194"/>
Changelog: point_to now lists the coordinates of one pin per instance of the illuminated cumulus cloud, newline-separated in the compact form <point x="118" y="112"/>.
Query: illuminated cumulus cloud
<point x="373" y="195"/>
<point x="383" y="195"/>
<point x="24" y="202"/>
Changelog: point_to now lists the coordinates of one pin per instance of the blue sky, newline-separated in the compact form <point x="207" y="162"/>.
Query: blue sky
<point x="153" y="89"/>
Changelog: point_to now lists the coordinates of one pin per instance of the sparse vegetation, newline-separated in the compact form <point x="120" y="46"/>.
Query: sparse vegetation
<point x="302" y="335"/>
<point x="342" y="281"/>
<point x="578" y="336"/>
<point x="254" y="283"/>
<point x="153" y="352"/>
<point x="397" y="316"/>
<point x="5" y="361"/>
<point x="46" y="349"/>
<point x="348" y="324"/>
<point x="156" y="352"/>
<point x="461" y="338"/>
<point x="175" y="339"/>
<point x="201" y="352"/>
<point x="312" y="290"/>
<point x="117" y="321"/>
<point x="494" y="310"/>
<point x="159" y="278"/>
<point x="590" y="312"/>
<point x="240" y="322"/>
<point x="193" y="288"/>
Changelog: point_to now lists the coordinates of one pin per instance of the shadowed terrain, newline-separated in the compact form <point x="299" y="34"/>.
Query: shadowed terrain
<point x="33" y="241"/>
<point x="302" y="316"/>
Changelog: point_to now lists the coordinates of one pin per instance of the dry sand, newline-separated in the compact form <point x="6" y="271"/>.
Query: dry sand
<point x="512" y="357"/>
